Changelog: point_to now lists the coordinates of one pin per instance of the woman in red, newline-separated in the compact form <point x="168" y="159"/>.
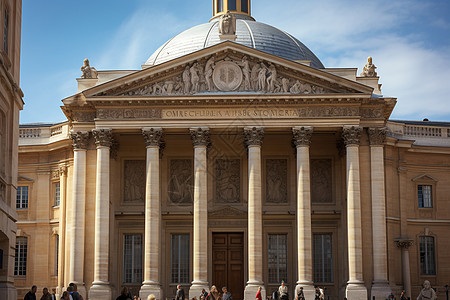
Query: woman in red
<point x="258" y="294"/>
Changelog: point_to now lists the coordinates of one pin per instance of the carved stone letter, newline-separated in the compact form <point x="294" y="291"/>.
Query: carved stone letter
<point x="103" y="137"/>
<point x="80" y="139"/>
<point x="351" y="135"/>
<point x="200" y="136"/>
<point x="302" y="136"/>
<point x="253" y="136"/>
<point x="377" y="136"/>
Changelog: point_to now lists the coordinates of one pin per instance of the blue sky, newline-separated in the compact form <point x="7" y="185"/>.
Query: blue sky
<point x="409" y="41"/>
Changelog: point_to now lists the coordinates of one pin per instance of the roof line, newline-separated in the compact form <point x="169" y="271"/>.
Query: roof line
<point x="162" y="47"/>
<point x="209" y="31"/>
<point x="251" y="34"/>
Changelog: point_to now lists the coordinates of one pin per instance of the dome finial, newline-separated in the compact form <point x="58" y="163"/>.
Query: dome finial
<point x="236" y="7"/>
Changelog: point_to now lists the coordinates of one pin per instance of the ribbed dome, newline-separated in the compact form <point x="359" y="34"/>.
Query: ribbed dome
<point x="250" y="33"/>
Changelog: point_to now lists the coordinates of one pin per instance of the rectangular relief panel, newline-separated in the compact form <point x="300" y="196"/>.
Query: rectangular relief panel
<point x="321" y="181"/>
<point x="228" y="180"/>
<point x="134" y="181"/>
<point x="181" y="181"/>
<point x="276" y="181"/>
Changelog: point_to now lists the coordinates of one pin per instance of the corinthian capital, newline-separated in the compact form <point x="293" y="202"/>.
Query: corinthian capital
<point x="200" y="136"/>
<point x="377" y="136"/>
<point x="253" y="136"/>
<point x="351" y="135"/>
<point x="80" y="139"/>
<point x="103" y="137"/>
<point x="153" y="136"/>
<point x="302" y="135"/>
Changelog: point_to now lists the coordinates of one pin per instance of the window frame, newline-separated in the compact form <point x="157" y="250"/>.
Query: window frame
<point x="286" y="254"/>
<point x="331" y="271"/>
<point x="434" y="257"/>
<point x="21" y="271"/>
<point x="54" y="185"/>
<point x="21" y="199"/>
<point x="179" y="281"/>
<point x="420" y="195"/>
<point x="123" y="276"/>
<point x="6" y="29"/>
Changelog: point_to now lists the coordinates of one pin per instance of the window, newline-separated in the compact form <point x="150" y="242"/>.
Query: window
<point x="232" y="5"/>
<point x="427" y="262"/>
<point x="132" y="258"/>
<point x="244" y="6"/>
<point x="219" y="6"/>
<point x="323" y="257"/>
<point x="277" y="255"/>
<point x="5" y="32"/>
<point x="22" y="197"/>
<point x="424" y="195"/>
<point x="57" y="193"/>
<point x="20" y="266"/>
<point x="56" y="253"/>
<point x="180" y="258"/>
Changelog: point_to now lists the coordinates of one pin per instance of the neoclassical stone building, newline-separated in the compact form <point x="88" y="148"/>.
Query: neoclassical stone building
<point x="234" y="157"/>
<point x="10" y="104"/>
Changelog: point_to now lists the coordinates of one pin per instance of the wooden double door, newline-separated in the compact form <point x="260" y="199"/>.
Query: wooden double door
<point x="228" y="263"/>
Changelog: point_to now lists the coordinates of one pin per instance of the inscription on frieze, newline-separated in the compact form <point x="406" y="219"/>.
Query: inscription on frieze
<point x="228" y="180"/>
<point x="321" y="181"/>
<point x="276" y="181"/>
<point x="134" y="181"/>
<point x="181" y="182"/>
<point x="118" y="114"/>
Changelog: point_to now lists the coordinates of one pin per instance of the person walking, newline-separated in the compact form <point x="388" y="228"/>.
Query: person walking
<point x="45" y="294"/>
<point x="74" y="291"/>
<point x="53" y="294"/>
<point x="258" y="294"/>
<point x="203" y="294"/>
<point x="319" y="293"/>
<point x="283" y="291"/>
<point x="180" y="293"/>
<point x="31" y="295"/>
<point x="124" y="295"/>
<point x="300" y="294"/>
<point x="226" y="294"/>
<point x="65" y="296"/>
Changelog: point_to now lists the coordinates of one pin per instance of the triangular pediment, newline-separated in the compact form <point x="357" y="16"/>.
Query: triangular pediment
<point x="228" y="68"/>
<point x="228" y="212"/>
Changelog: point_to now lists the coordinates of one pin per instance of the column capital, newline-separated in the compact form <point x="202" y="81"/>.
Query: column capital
<point x="80" y="139"/>
<point x="351" y="135"/>
<point x="377" y="136"/>
<point x="200" y="136"/>
<point x="103" y="137"/>
<point x="62" y="170"/>
<point x="153" y="136"/>
<point x="302" y="135"/>
<point x="253" y="136"/>
<point x="404" y="243"/>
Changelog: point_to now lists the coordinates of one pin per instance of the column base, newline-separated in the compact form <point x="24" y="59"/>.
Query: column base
<point x="196" y="288"/>
<point x="149" y="288"/>
<point x="100" y="291"/>
<point x="308" y="290"/>
<point x="8" y="291"/>
<point x="59" y="291"/>
<point x="380" y="290"/>
<point x="252" y="288"/>
<point x="356" y="291"/>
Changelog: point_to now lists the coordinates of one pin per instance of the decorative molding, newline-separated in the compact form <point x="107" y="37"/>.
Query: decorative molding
<point x="404" y="243"/>
<point x="253" y="136"/>
<point x="372" y="113"/>
<point x="121" y="114"/>
<point x="328" y="111"/>
<point x="351" y="135"/>
<point x="103" y="137"/>
<point x="425" y="177"/>
<point x="321" y="181"/>
<point x="134" y="181"/>
<point x="302" y="135"/>
<point x="80" y="139"/>
<point x="228" y="180"/>
<point x="83" y="116"/>
<point x="200" y="136"/>
<point x="62" y="170"/>
<point x="181" y="182"/>
<point x="276" y="181"/>
<point x="377" y="136"/>
<point x="227" y="212"/>
<point x="153" y="136"/>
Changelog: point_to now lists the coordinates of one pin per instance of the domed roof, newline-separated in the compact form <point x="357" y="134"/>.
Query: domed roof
<point x="250" y="33"/>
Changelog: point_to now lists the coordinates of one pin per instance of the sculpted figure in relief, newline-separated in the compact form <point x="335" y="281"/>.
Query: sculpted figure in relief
<point x="262" y="77"/>
<point x="187" y="80"/>
<point x="227" y="24"/>
<point x="88" y="71"/>
<point x="209" y="68"/>
<point x="254" y="76"/>
<point x="195" y="79"/>
<point x="285" y="84"/>
<point x="369" y="69"/>
<point x="271" y="79"/>
<point x="246" y="71"/>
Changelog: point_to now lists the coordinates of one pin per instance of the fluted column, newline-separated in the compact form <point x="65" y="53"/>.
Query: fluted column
<point x="200" y="140"/>
<point x="151" y="285"/>
<point x="100" y="287"/>
<point x="355" y="286"/>
<point x="302" y="140"/>
<point x="380" y="284"/>
<point x="62" y="230"/>
<point x="76" y="271"/>
<point x="253" y="140"/>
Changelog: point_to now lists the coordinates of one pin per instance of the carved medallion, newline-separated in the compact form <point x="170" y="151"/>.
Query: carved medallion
<point x="134" y="181"/>
<point x="227" y="76"/>
<point x="228" y="180"/>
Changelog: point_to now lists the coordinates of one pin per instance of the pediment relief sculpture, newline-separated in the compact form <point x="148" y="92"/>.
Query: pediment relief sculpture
<point x="227" y="74"/>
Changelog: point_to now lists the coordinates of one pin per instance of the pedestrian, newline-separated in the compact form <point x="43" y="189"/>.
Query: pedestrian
<point x="65" y="296"/>
<point x="300" y="294"/>
<point x="151" y="297"/>
<point x="319" y="293"/>
<point x="283" y="291"/>
<point x="180" y="293"/>
<point x="203" y="294"/>
<point x="214" y="294"/>
<point x="124" y="295"/>
<point x="45" y="294"/>
<point x="258" y="294"/>
<point x="75" y="295"/>
<point x="31" y="295"/>
<point x="226" y="294"/>
<point x="403" y="295"/>
<point x="53" y="294"/>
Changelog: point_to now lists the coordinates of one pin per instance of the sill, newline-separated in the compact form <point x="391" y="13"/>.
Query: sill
<point x="55" y="206"/>
<point x="21" y="209"/>
<point x="425" y="208"/>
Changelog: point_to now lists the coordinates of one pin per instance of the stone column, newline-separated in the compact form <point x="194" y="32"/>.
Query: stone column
<point x="100" y="287"/>
<point x="302" y="140"/>
<point x="201" y="140"/>
<point x="253" y="140"/>
<point x="355" y="286"/>
<point x="151" y="285"/>
<point x="76" y="271"/>
<point x="62" y="230"/>
<point x="404" y="245"/>
<point x="380" y="284"/>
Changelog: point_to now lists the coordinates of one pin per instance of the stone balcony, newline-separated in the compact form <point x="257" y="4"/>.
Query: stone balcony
<point x="423" y="133"/>
<point x="42" y="134"/>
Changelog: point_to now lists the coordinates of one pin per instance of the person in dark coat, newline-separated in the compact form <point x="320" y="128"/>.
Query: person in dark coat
<point x="180" y="293"/>
<point x="31" y="295"/>
<point x="226" y="294"/>
<point x="124" y="295"/>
